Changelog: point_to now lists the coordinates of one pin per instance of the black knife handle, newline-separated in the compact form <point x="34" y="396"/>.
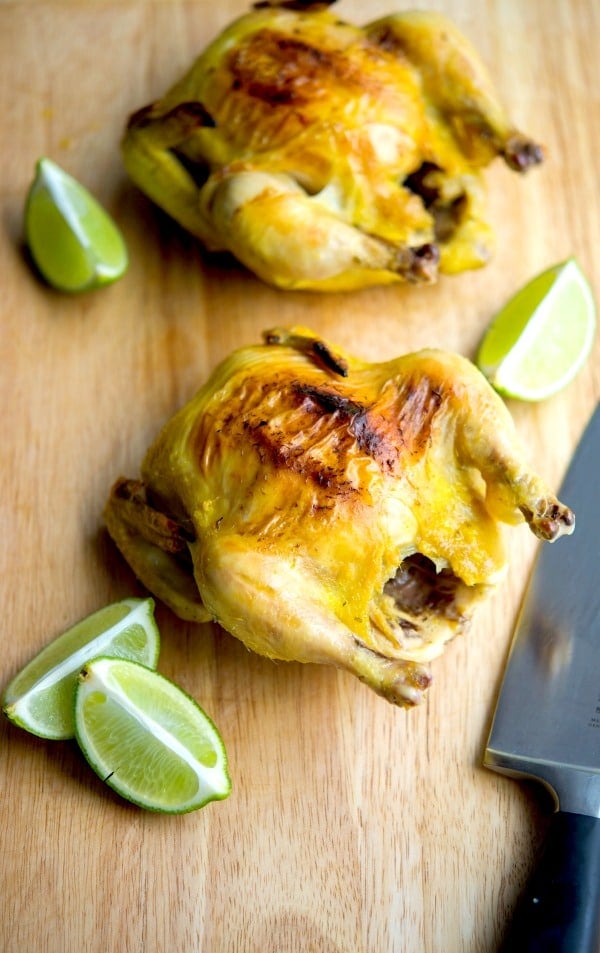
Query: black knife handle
<point x="560" y="909"/>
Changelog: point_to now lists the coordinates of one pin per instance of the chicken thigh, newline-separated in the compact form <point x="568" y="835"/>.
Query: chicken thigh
<point x="326" y="509"/>
<point x="329" y="156"/>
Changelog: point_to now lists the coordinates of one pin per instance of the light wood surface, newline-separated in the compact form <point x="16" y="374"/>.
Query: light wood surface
<point x="353" y="827"/>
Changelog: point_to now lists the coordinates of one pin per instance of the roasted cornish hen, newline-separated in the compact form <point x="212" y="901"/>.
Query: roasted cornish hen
<point x="325" y="509"/>
<point x="329" y="156"/>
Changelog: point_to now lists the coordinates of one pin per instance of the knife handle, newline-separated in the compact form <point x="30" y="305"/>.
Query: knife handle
<point x="560" y="909"/>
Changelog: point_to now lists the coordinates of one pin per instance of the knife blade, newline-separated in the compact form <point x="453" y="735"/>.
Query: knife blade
<point x="546" y="725"/>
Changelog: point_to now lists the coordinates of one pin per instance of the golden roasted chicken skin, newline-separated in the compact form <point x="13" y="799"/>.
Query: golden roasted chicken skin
<point x="329" y="156"/>
<point x="325" y="509"/>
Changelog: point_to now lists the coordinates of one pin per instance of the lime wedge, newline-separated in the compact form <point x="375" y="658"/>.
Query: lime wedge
<point x="72" y="239"/>
<point x="542" y="337"/>
<point x="147" y="739"/>
<point x="40" y="698"/>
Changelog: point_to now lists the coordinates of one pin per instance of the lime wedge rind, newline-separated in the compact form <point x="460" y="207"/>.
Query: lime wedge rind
<point x="36" y="698"/>
<point x="139" y="612"/>
<point x="526" y="326"/>
<point x="519" y="310"/>
<point x="107" y="740"/>
<point x="541" y="339"/>
<point x="74" y="243"/>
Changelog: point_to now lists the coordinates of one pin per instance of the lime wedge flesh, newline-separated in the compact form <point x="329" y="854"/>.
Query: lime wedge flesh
<point x="147" y="739"/>
<point x="40" y="697"/>
<point x="542" y="337"/>
<point x="72" y="239"/>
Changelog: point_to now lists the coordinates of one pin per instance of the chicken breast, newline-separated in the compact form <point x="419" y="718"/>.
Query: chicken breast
<point x="326" y="509"/>
<point x="329" y="156"/>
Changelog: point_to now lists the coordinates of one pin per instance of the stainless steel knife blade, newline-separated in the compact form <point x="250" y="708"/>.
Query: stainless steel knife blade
<point x="547" y="720"/>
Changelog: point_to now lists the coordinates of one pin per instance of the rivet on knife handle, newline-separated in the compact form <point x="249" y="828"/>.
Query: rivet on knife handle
<point x="560" y="909"/>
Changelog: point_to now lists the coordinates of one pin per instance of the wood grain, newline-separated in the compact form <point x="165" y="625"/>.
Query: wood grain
<point x="353" y="827"/>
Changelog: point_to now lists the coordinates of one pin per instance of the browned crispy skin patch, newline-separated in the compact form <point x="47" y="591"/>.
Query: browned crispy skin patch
<point x="316" y="430"/>
<point x="314" y="418"/>
<point x="361" y="423"/>
<point x="283" y="70"/>
<point x="418" y="400"/>
<point x="385" y="431"/>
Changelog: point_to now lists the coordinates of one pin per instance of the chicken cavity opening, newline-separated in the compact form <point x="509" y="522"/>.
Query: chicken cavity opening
<point x="196" y="168"/>
<point x="418" y="591"/>
<point x="446" y="212"/>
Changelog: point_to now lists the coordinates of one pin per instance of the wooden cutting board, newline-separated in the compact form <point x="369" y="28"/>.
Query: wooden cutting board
<point x="353" y="827"/>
